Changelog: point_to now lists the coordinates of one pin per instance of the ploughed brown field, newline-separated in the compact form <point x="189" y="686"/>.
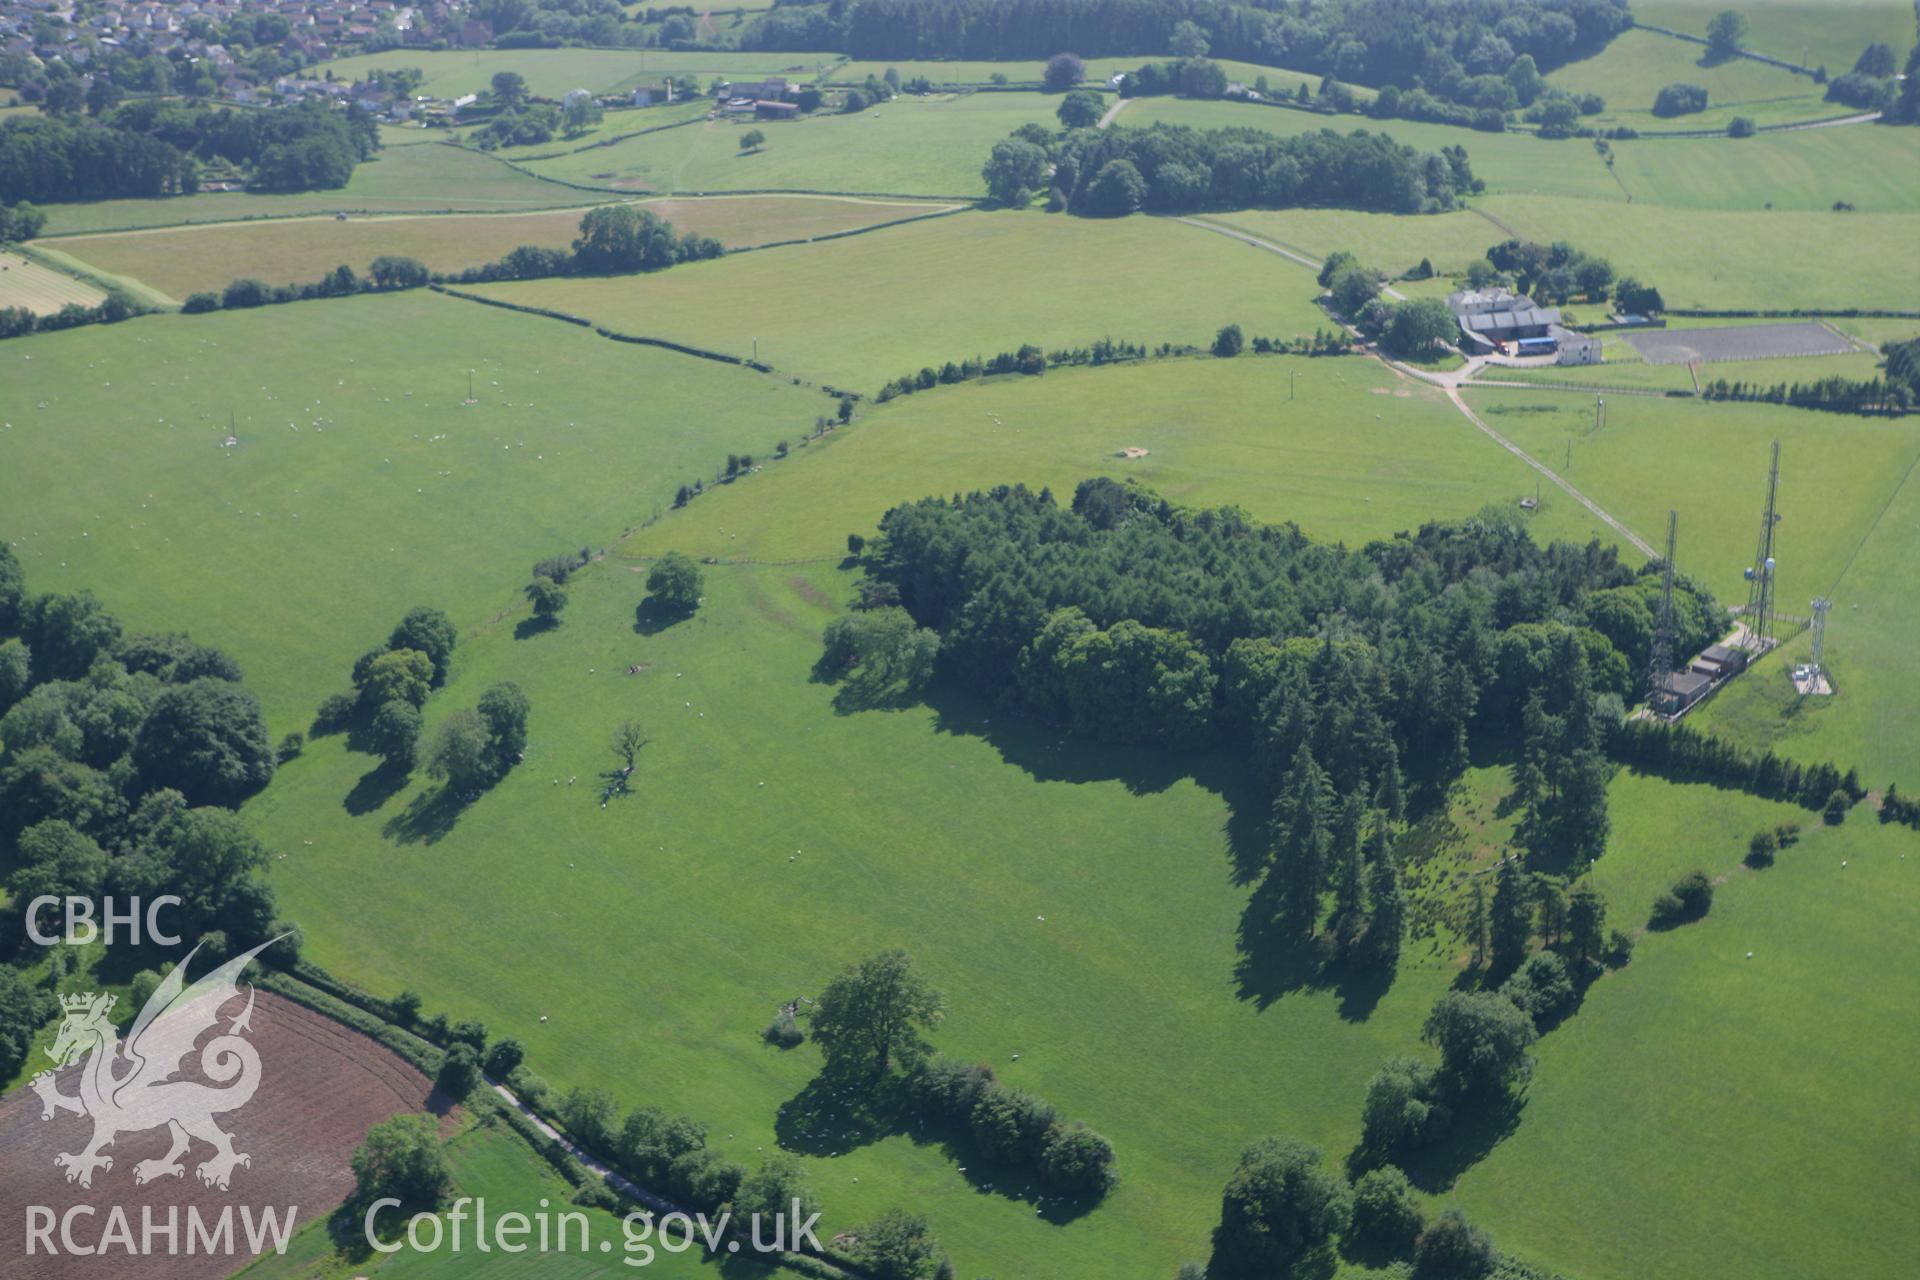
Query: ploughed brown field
<point x="322" y="1086"/>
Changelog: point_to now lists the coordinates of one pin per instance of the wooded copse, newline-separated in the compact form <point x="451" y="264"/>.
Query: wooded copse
<point x="1175" y="168"/>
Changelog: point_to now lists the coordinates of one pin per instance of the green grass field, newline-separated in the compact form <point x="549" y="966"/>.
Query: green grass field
<point x="1217" y="432"/>
<point x="1390" y="242"/>
<point x="1814" y="33"/>
<point x="40" y="289"/>
<point x="1632" y="69"/>
<point x="1709" y="462"/>
<point x="1869" y="650"/>
<point x="1876" y="169"/>
<point x="181" y="260"/>
<point x="945" y="827"/>
<point x="1872" y="167"/>
<point x="915" y="146"/>
<point x="1737" y="260"/>
<point x="1703" y="1115"/>
<point x="427" y="177"/>
<point x="257" y="548"/>
<point x="1694" y="1067"/>
<point x="855" y="312"/>
<point x="554" y="72"/>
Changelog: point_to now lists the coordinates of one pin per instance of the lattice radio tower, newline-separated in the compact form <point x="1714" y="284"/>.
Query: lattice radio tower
<point x="1759" y="614"/>
<point x="1821" y="606"/>
<point x="1660" y="668"/>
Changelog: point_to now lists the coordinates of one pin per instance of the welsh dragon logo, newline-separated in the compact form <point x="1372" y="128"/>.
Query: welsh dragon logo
<point x="130" y="1086"/>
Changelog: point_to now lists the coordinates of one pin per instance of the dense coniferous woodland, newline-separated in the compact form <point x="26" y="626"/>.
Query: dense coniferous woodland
<point x="1129" y="618"/>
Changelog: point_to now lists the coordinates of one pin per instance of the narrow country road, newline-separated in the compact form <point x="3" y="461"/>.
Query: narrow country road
<point x="1112" y="111"/>
<point x="587" y="1161"/>
<point x="1448" y="382"/>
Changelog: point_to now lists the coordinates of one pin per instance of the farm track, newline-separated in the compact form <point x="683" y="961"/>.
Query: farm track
<point x="1450" y="383"/>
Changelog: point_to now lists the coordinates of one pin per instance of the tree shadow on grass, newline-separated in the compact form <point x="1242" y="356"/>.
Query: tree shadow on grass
<point x="651" y="617"/>
<point x="1270" y="964"/>
<point x="428" y="817"/>
<point x="528" y="628"/>
<point x="375" y="787"/>
<point x="1478" y="1125"/>
<point x="831" y="1117"/>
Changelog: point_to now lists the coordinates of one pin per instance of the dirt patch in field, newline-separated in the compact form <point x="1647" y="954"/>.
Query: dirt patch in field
<point x="808" y="592"/>
<point x="322" y="1086"/>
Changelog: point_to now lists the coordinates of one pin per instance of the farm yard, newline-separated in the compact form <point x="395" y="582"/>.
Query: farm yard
<point x="1273" y="554"/>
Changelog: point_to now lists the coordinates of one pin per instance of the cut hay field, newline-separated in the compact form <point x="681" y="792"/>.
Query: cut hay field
<point x="860" y="311"/>
<point x="1700" y="258"/>
<point x="931" y="146"/>
<point x="40" y="289"/>
<point x="1709" y="462"/>
<point x="300" y="546"/>
<point x="1814" y="33"/>
<point x="421" y="177"/>
<point x="1634" y="67"/>
<point x="551" y="73"/>
<point x="182" y="260"/>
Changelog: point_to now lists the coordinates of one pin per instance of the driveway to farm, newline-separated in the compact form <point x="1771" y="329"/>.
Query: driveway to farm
<point x="1106" y="118"/>
<point x="1450" y="382"/>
